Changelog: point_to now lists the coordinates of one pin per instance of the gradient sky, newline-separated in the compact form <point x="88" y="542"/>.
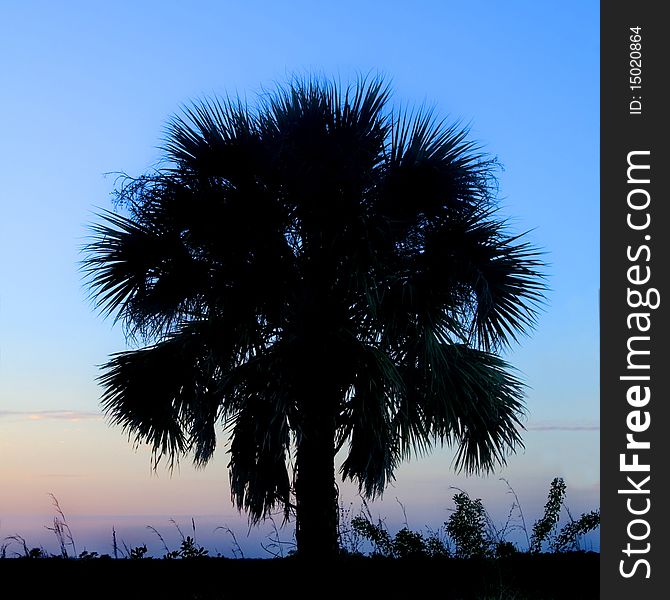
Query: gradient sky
<point x="87" y="90"/>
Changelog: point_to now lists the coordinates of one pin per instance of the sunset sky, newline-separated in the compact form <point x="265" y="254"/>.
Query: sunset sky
<point x="87" y="90"/>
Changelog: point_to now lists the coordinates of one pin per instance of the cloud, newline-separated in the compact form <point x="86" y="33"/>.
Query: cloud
<point x="562" y="426"/>
<point x="82" y="415"/>
<point x="51" y="415"/>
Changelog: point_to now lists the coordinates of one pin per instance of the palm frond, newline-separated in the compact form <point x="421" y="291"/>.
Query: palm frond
<point x="153" y="394"/>
<point x="431" y="170"/>
<point x="259" y="476"/>
<point x="144" y="276"/>
<point x="495" y="278"/>
<point x="475" y="403"/>
<point x="366" y="422"/>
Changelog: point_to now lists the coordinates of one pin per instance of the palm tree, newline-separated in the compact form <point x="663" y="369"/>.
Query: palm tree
<point x="319" y="273"/>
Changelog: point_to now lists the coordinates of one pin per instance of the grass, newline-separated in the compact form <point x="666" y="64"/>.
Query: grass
<point x="466" y="558"/>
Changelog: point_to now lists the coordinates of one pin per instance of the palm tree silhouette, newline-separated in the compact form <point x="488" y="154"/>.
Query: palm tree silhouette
<point x="314" y="275"/>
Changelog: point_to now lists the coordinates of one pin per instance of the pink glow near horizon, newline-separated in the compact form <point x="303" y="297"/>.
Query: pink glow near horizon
<point x="101" y="482"/>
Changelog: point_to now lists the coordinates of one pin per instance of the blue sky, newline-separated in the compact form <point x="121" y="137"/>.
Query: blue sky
<point x="87" y="90"/>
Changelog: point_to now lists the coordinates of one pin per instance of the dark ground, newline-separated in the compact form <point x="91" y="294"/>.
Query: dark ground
<point x="573" y="576"/>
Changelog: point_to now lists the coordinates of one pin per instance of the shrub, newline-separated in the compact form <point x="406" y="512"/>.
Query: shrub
<point x="472" y="533"/>
<point x="467" y="527"/>
<point x="545" y="528"/>
<point x="405" y="543"/>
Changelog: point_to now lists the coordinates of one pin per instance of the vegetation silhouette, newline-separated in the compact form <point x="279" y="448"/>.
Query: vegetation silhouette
<point x="315" y="274"/>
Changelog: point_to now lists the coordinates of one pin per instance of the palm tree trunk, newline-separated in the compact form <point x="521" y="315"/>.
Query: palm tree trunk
<point x="315" y="489"/>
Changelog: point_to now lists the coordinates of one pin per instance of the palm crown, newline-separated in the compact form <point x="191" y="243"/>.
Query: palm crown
<point x="316" y="274"/>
